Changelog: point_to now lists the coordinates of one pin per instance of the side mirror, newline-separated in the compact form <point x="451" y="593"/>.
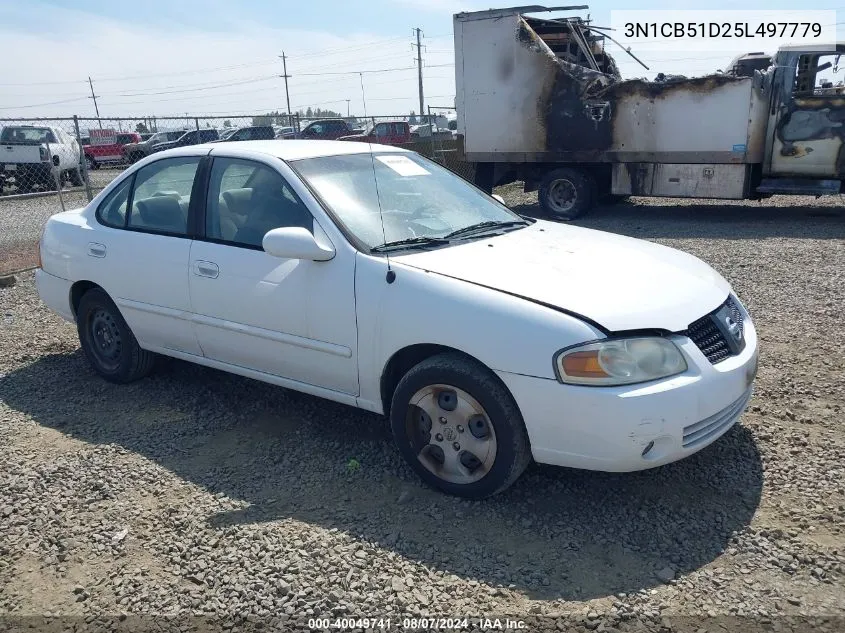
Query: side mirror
<point x="498" y="198"/>
<point x="295" y="242"/>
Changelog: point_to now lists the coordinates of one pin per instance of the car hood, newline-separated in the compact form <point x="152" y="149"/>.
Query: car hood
<point x="618" y="282"/>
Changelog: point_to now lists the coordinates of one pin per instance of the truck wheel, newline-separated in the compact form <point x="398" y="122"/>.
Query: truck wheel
<point x="566" y="193"/>
<point x="458" y="427"/>
<point x="52" y="182"/>
<point x="75" y="176"/>
<point x="92" y="164"/>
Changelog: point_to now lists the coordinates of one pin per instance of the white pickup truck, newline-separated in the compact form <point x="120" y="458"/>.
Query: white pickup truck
<point x="34" y="156"/>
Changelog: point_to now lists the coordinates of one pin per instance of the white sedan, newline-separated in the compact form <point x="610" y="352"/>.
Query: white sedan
<point x="371" y="276"/>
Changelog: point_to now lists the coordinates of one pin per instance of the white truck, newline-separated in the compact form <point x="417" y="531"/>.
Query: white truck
<point x="38" y="156"/>
<point x="541" y="101"/>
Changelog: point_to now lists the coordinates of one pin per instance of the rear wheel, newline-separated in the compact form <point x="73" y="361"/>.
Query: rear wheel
<point x="92" y="164"/>
<point x="458" y="427"/>
<point x="107" y="341"/>
<point x="566" y="193"/>
<point x="75" y="176"/>
<point x="52" y="181"/>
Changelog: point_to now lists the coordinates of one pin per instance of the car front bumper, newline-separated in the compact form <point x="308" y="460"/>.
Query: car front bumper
<point x="621" y="429"/>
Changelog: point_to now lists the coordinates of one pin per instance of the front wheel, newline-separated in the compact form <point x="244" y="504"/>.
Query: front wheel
<point x="458" y="427"/>
<point x="566" y="193"/>
<point x="108" y="342"/>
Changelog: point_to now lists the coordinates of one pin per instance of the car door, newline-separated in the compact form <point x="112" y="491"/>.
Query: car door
<point x="141" y="257"/>
<point x="285" y="317"/>
<point x="805" y="121"/>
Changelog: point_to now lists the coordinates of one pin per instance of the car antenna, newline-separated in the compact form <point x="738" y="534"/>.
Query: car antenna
<point x="391" y="276"/>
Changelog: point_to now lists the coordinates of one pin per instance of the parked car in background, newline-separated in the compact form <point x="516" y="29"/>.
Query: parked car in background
<point x="429" y="130"/>
<point x="253" y="133"/>
<point x="189" y="138"/>
<point x="385" y="132"/>
<point x="327" y="130"/>
<point x="134" y="152"/>
<point x="146" y="135"/>
<point x="284" y="131"/>
<point x="315" y="266"/>
<point x="34" y="156"/>
<point x="107" y="149"/>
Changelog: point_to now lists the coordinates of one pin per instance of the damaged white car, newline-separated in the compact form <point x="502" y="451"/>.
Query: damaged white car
<point x="371" y="276"/>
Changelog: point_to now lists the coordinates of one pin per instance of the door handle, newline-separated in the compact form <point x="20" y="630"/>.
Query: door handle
<point x="96" y="250"/>
<point x="206" y="269"/>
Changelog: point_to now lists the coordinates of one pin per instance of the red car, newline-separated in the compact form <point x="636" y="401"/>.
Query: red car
<point x="107" y="147"/>
<point x="385" y="132"/>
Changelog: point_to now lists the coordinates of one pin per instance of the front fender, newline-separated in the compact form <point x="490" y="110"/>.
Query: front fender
<point x="504" y="332"/>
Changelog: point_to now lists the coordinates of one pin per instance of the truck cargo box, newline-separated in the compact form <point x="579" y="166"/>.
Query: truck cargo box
<point x="539" y="90"/>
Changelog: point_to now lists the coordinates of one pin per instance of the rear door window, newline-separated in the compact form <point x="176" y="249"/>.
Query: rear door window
<point x="162" y="195"/>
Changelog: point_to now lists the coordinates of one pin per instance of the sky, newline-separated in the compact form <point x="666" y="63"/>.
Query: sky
<point x="172" y="57"/>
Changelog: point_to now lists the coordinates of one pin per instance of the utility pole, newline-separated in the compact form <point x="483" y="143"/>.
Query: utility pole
<point x="347" y="108"/>
<point x="94" y="97"/>
<point x="419" y="68"/>
<point x="363" y="97"/>
<point x="285" y="67"/>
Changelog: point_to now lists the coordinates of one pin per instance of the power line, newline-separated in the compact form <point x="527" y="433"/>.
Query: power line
<point x="217" y="69"/>
<point x="38" y="105"/>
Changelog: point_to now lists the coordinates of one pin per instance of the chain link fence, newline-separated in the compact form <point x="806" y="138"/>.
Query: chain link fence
<point x="48" y="165"/>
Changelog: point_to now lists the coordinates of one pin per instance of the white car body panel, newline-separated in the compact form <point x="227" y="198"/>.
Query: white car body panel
<point x="330" y="328"/>
<point x="619" y="282"/>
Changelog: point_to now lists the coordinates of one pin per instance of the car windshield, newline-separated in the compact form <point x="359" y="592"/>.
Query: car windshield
<point x="27" y="135"/>
<point x="158" y="137"/>
<point x="416" y="198"/>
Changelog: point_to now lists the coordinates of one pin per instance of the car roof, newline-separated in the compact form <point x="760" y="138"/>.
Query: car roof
<point x="298" y="149"/>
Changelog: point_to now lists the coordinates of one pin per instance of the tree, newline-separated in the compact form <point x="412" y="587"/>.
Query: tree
<point x="141" y="129"/>
<point x="227" y="123"/>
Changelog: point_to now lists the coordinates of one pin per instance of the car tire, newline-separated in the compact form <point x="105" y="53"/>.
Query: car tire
<point x="566" y="193"/>
<point x="107" y="341"/>
<point x="75" y="176"/>
<point x="483" y="415"/>
<point x="92" y="164"/>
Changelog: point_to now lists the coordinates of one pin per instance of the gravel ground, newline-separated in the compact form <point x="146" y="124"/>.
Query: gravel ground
<point x="197" y="493"/>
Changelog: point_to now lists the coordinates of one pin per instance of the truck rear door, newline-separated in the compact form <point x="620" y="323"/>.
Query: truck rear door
<point x="806" y="127"/>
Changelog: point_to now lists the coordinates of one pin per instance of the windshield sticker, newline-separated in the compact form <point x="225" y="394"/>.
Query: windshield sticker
<point x="403" y="165"/>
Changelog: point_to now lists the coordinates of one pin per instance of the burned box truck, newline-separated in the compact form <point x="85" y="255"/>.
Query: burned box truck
<point x="541" y="101"/>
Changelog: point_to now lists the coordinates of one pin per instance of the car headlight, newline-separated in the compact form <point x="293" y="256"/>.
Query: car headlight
<point x="621" y="361"/>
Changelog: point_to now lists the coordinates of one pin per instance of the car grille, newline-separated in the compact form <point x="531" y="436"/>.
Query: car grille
<point x="709" y="428"/>
<point x="710" y="338"/>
